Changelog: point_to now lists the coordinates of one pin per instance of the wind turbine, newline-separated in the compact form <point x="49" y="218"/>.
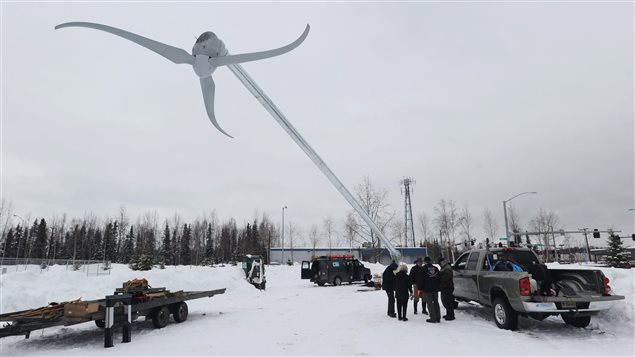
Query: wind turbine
<point x="208" y="53"/>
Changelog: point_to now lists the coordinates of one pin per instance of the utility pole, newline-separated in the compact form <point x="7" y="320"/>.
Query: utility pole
<point x="586" y="239"/>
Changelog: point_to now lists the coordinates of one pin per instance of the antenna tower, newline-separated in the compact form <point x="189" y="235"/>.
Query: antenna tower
<point x="406" y="187"/>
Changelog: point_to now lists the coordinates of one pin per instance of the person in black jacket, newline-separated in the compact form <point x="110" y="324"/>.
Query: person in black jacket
<point x="388" y="284"/>
<point x="403" y="289"/>
<point x="415" y="271"/>
<point x="429" y="283"/>
<point x="446" y="285"/>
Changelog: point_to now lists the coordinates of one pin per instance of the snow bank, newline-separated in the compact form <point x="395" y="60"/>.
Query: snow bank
<point x="296" y="317"/>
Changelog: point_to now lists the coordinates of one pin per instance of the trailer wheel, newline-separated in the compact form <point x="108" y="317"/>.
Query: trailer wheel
<point x="160" y="317"/>
<point x="505" y="317"/>
<point x="337" y="281"/>
<point x="577" y="321"/>
<point x="100" y="323"/>
<point x="179" y="312"/>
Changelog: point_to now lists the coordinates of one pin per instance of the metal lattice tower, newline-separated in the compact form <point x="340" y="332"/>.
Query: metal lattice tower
<point x="406" y="184"/>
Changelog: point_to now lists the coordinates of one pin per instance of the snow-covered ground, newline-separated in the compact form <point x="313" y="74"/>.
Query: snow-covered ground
<point x="294" y="317"/>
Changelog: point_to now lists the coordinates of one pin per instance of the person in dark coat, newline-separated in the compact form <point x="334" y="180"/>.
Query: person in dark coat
<point x="429" y="283"/>
<point x="403" y="289"/>
<point x="446" y="285"/>
<point x="388" y="284"/>
<point x="415" y="271"/>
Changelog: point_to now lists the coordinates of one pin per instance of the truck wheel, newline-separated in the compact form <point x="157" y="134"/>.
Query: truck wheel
<point x="505" y="317"/>
<point x="337" y="281"/>
<point x="366" y="278"/>
<point x="160" y="317"/>
<point x="179" y="312"/>
<point x="577" y="321"/>
<point x="100" y="323"/>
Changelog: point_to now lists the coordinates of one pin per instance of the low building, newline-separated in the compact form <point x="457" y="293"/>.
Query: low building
<point x="371" y="255"/>
<point x="599" y="255"/>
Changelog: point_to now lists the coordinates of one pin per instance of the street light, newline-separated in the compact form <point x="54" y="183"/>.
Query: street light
<point x="505" y="211"/>
<point x="282" y="228"/>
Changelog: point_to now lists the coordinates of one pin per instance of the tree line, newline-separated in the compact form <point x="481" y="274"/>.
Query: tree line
<point x="450" y="230"/>
<point x="116" y="239"/>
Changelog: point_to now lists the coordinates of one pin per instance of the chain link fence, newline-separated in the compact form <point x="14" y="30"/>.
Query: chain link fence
<point x="90" y="267"/>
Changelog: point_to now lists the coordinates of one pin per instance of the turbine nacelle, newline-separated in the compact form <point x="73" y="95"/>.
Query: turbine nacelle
<point x="210" y="45"/>
<point x="208" y="53"/>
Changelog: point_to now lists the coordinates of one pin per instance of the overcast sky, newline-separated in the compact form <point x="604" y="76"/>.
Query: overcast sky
<point x="477" y="102"/>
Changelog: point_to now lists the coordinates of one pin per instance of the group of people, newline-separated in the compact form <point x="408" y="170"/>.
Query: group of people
<point x="424" y="282"/>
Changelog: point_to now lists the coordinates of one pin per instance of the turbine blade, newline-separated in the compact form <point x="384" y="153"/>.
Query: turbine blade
<point x="254" y="56"/>
<point x="209" y="88"/>
<point x="174" y="54"/>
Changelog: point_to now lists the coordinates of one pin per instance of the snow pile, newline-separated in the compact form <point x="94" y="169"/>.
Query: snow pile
<point x="296" y="317"/>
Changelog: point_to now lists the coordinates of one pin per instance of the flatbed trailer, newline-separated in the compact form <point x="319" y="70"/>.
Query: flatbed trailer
<point x="124" y="307"/>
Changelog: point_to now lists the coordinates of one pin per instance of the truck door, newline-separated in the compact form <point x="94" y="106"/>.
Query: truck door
<point x="459" y="276"/>
<point x="471" y="276"/>
<point x="306" y="270"/>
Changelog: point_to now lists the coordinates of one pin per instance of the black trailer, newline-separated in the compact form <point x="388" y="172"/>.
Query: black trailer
<point x="119" y="309"/>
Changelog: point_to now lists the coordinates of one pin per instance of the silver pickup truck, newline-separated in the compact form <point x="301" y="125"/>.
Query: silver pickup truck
<point x="486" y="277"/>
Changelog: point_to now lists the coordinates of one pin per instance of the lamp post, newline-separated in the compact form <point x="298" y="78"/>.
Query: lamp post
<point x="282" y="229"/>
<point x="505" y="211"/>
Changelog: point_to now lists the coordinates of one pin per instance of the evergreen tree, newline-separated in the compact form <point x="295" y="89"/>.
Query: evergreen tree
<point x="127" y="251"/>
<point x="143" y="262"/>
<point x="150" y="244"/>
<point x="9" y="244"/>
<point x="98" y="246"/>
<point x="40" y="242"/>
<point x="209" y="243"/>
<point x="166" y="247"/>
<point x="186" y="253"/>
<point x="15" y="243"/>
<point x="139" y="244"/>
<point x="110" y="236"/>
<point x="616" y="255"/>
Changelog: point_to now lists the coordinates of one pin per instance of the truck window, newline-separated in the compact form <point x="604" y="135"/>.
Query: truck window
<point x="305" y="265"/>
<point x="461" y="263"/>
<point x="335" y="264"/>
<point x="473" y="260"/>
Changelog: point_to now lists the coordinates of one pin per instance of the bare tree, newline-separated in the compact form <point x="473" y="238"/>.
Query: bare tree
<point x="374" y="202"/>
<point x="6" y="215"/>
<point x="329" y="230"/>
<point x="397" y="232"/>
<point x="349" y="229"/>
<point x="424" y="228"/>
<point x="446" y="221"/>
<point x="546" y="223"/>
<point x="466" y="222"/>
<point x="490" y="226"/>
<point x="122" y="222"/>
<point x="513" y="219"/>
<point x="314" y="237"/>
<point x="293" y="233"/>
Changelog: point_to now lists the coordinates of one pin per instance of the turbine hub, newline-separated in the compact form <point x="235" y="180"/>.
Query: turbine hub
<point x="210" y="45"/>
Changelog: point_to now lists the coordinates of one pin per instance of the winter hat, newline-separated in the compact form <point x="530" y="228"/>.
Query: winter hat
<point x="442" y="259"/>
<point x="418" y="260"/>
<point x="427" y="260"/>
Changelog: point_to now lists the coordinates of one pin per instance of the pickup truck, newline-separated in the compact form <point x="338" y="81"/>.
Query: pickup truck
<point x="575" y="295"/>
